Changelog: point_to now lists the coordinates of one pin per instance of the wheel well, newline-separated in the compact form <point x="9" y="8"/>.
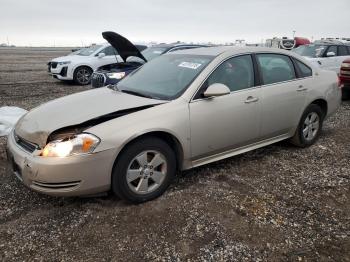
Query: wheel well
<point x="82" y="66"/>
<point x="171" y="140"/>
<point x="322" y="104"/>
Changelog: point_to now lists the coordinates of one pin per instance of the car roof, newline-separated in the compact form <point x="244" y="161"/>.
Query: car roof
<point x="218" y="50"/>
<point x="329" y="42"/>
<point x="176" y="45"/>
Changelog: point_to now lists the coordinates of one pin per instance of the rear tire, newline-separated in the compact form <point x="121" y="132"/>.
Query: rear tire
<point x="345" y="93"/>
<point x="144" y="170"/>
<point x="309" y="127"/>
<point x="82" y="75"/>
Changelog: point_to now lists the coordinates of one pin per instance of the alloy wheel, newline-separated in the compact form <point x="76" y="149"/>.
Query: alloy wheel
<point x="83" y="76"/>
<point x="311" y="126"/>
<point x="146" y="172"/>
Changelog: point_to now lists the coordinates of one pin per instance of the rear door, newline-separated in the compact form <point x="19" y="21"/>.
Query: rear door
<point x="283" y="95"/>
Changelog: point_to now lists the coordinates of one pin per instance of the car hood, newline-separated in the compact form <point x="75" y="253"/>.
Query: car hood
<point x="71" y="58"/>
<point x="123" y="46"/>
<point x="72" y="110"/>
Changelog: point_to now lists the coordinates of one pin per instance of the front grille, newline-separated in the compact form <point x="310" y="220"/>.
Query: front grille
<point x="53" y="64"/>
<point x="97" y="80"/>
<point x="56" y="186"/>
<point x="27" y="146"/>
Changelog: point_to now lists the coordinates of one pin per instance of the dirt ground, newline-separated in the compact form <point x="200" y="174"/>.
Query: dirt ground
<point x="279" y="203"/>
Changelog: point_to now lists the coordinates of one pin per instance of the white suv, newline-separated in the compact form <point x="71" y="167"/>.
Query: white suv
<point x="325" y="54"/>
<point x="79" y="65"/>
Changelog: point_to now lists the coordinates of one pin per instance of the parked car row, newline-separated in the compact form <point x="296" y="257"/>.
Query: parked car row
<point x="132" y="57"/>
<point x="178" y="111"/>
<point x="286" y="43"/>
<point x="107" y="64"/>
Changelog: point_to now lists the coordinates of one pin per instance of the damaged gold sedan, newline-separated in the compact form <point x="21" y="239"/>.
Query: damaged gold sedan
<point x="176" y="112"/>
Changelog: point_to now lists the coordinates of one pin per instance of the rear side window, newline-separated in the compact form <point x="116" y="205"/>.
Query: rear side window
<point x="342" y="50"/>
<point x="236" y="73"/>
<point x="303" y="70"/>
<point x="275" y="68"/>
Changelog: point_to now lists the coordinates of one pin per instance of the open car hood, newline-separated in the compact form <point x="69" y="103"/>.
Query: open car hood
<point x="123" y="46"/>
<point x="81" y="110"/>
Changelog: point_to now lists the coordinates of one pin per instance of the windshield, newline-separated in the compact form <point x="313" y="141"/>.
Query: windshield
<point x="166" y="77"/>
<point x="153" y="52"/>
<point x="310" y="50"/>
<point x="89" y="50"/>
<point x="75" y="52"/>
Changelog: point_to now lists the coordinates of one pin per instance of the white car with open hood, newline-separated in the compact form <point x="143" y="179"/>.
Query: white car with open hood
<point x="79" y="65"/>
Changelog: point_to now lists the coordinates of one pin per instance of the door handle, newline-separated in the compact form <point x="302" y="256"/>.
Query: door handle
<point x="301" y="88"/>
<point x="251" y="99"/>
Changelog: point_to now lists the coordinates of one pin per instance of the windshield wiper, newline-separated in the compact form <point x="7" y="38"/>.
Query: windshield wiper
<point x="135" y="93"/>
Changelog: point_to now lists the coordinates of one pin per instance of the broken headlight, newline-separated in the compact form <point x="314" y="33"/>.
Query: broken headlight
<point x="83" y="143"/>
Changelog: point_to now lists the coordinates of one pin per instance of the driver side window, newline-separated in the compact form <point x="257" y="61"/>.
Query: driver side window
<point x="236" y="73"/>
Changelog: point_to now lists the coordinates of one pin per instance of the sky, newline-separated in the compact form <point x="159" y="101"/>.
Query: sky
<point x="81" y="22"/>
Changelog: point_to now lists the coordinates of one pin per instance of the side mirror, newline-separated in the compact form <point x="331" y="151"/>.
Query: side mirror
<point x="329" y="54"/>
<point x="100" y="55"/>
<point x="216" y="89"/>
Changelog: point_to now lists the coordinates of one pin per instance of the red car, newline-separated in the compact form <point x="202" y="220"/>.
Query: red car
<point x="345" y="78"/>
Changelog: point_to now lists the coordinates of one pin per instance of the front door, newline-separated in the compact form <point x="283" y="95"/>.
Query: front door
<point x="111" y="57"/>
<point x="231" y="121"/>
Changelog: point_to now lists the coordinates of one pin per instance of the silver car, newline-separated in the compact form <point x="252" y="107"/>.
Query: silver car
<point x="176" y="112"/>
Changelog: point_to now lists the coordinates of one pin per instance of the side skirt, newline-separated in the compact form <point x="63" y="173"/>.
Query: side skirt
<point x="237" y="151"/>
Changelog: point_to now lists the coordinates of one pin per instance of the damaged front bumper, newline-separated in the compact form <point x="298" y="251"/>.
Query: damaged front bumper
<point x="67" y="176"/>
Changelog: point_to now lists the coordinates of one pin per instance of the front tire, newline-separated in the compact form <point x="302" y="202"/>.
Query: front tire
<point x="144" y="170"/>
<point x="82" y="75"/>
<point x="309" y="127"/>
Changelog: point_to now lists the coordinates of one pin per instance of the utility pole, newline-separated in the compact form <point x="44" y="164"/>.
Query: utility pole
<point x="8" y="42"/>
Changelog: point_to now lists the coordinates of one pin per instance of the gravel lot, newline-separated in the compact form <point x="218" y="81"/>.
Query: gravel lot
<point x="279" y="203"/>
